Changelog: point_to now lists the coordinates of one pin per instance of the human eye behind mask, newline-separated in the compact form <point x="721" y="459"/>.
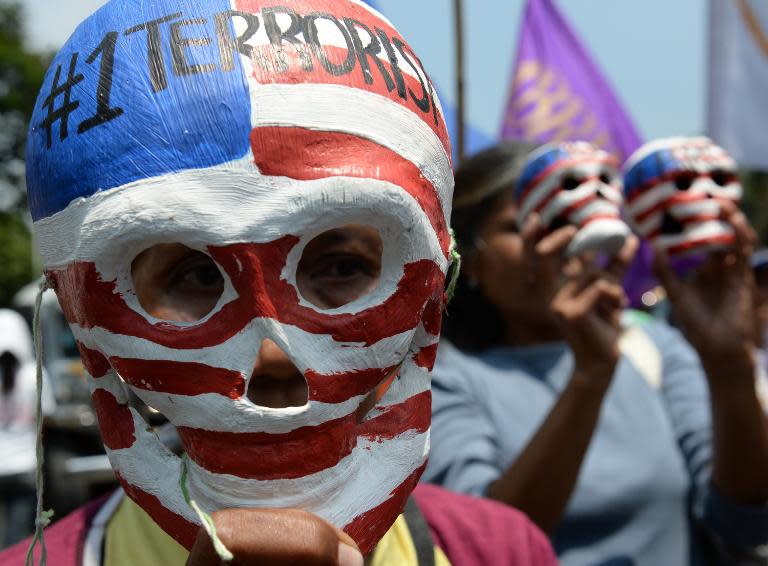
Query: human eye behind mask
<point x="176" y="283"/>
<point x="340" y="266"/>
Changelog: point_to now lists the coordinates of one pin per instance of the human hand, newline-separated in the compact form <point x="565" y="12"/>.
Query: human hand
<point x="543" y="258"/>
<point x="588" y="305"/>
<point x="277" y="537"/>
<point x="715" y="306"/>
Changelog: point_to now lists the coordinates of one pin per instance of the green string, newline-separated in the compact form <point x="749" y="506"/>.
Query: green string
<point x="455" y="268"/>
<point x="205" y="518"/>
<point x="42" y="518"/>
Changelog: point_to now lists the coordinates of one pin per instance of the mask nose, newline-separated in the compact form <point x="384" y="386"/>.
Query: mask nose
<point x="275" y="381"/>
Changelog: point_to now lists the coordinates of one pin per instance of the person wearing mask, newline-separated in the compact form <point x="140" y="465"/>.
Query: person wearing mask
<point x="624" y="442"/>
<point x="248" y="229"/>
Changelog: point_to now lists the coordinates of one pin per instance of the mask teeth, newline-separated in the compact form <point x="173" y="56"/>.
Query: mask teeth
<point x="42" y="518"/>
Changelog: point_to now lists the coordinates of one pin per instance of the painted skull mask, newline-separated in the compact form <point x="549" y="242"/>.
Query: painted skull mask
<point x="674" y="188"/>
<point x="244" y="130"/>
<point x="574" y="183"/>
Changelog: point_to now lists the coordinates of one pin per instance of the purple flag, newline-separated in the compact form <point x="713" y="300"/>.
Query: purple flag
<point x="558" y="93"/>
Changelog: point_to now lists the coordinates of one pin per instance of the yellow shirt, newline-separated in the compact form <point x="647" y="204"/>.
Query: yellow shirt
<point x="132" y="538"/>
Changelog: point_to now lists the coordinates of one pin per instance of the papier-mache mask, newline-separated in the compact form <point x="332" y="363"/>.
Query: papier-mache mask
<point x="578" y="184"/>
<point x="674" y="188"/>
<point x="244" y="129"/>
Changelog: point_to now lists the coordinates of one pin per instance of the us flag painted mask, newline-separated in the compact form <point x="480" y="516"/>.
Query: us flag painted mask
<point x="574" y="183"/>
<point x="242" y="133"/>
<point x="674" y="189"/>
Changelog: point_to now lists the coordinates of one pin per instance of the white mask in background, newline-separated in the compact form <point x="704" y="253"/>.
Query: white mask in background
<point x="674" y="187"/>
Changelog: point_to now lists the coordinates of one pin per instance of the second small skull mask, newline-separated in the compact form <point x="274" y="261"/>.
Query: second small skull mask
<point x="674" y="189"/>
<point x="575" y="183"/>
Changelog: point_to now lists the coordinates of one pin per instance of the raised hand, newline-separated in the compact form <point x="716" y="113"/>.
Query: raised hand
<point x="715" y="305"/>
<point x="588" y="305"/>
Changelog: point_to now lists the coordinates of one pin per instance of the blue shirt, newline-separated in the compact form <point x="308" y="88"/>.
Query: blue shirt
<point x="646" y="472"/>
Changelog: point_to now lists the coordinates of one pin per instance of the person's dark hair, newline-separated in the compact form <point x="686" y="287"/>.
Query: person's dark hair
<point x="473" y="323"/>
<point x="9" y="365"/>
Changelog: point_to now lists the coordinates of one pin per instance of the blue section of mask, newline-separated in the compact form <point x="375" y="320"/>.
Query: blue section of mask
<point x="141" y="89"/>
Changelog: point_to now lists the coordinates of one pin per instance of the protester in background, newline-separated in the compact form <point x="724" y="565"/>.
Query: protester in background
<point x="18" y="403"/>
<point x="602" y="433"/>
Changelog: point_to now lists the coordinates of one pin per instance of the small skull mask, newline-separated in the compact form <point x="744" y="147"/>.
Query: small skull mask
<point x="578" y="184"/>
<point x="674" y="189"/>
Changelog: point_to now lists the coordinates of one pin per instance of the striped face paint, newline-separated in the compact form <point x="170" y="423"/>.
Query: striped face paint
<point x="574" y="183"/>
<point x="674" y="188"/>
<point x="243" y="130"/>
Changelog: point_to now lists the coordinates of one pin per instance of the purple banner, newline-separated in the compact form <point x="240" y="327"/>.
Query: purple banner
<point x="558" y="93"/>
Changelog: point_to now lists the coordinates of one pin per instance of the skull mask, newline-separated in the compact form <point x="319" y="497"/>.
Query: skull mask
<point x="244" y="131"/>
<point x="578" y="184"/>
<point x="674" y="188"/>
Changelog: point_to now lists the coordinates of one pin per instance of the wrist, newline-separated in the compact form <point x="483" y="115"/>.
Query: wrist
<point x="594" y="378"/>
<point x="731" y="366"/>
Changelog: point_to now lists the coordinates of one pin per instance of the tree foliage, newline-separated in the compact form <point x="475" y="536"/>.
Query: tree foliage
<point x="16" y="269"/>
<point x="21" y="74"/>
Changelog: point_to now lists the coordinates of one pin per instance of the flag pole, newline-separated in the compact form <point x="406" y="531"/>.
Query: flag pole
<point x="460" y="108"/>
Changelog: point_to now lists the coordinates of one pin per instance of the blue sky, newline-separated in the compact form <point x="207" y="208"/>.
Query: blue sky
<point x="653" y="52"/>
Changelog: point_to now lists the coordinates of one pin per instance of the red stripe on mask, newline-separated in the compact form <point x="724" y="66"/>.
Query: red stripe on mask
<point x="337" y="388"/>
<point x="367" y="529"/>
<point x="721" y="240"/>
<point x="425" y="358"/>
<point x="95" y="362"/>
<point x="115" y="421"/>
<point x="304" y="451"/>
<point x="304" y="154"/>
<point x="180" y="378"/>
<point x="175" y="525"/>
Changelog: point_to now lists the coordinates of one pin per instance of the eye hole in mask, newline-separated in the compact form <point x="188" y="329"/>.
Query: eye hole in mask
<point x="176" y="283"/>
<point x="722" y="178"/>
<point x="606" y="178"/>
<point x="683" y="181"/>
<point x="571" y="182"/>
<point x="340" y="266"/>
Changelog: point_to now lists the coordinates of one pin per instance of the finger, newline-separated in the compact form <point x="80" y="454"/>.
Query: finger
<point x="602" y="292"/>
<point x="731" y="213"/>
<point x="530" y="233"/>
<point x="746" y="238"/>
<point x="557" y="241"/>
<point x="561" y="302"/>
<point x="663" y="270"/>
<point x="575" y="301"/>
<point x="549" y="253"/>
<point x="277" y="537"/>
<point x="619" y="263"/>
